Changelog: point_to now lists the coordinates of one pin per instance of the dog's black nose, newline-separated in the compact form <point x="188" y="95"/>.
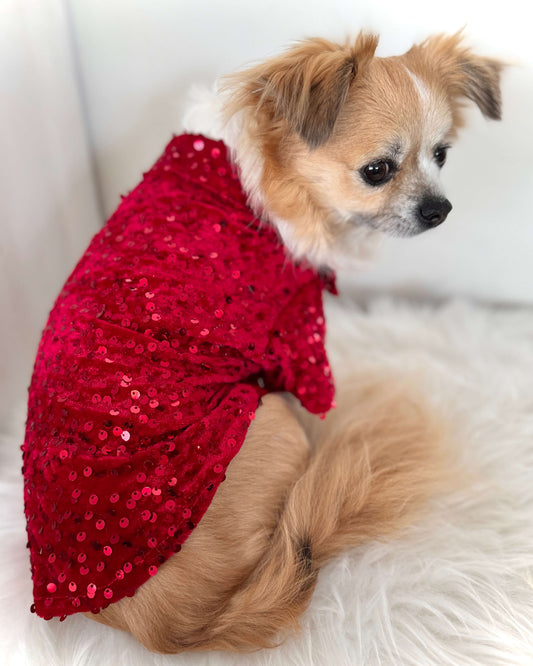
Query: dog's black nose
<point x="433" y="211"/>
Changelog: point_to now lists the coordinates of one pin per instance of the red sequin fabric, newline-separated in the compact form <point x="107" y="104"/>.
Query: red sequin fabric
<point x="181" y="314"/>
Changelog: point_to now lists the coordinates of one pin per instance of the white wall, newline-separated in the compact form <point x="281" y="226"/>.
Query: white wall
<point x="48" y="203"/>
<point x="140" y="56"/>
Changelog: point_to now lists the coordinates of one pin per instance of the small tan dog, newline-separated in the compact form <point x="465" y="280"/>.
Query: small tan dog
<point x="334" y="146"/>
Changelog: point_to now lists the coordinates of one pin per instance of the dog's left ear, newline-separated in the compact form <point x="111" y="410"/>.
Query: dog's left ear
<point x="465" y="74"/>
<point x="481" y="84"/>
<point x="304" y="87"/>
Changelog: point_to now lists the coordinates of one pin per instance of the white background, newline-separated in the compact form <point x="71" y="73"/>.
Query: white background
<point x="48" y="202"/>
<point x="91" y="91"/>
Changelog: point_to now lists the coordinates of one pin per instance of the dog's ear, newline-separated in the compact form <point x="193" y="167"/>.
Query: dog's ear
<point x="481" y="84"/>
<point x="306" y="86"/>
<point x="465" y="74"/>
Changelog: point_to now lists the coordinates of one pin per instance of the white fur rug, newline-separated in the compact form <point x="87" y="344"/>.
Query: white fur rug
<point x="456" y="590"/>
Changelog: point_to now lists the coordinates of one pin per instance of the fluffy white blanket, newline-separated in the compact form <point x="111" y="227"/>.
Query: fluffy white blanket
<point x="456" y="590"/>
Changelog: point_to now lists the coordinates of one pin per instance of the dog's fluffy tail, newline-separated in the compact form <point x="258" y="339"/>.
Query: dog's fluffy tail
<point x="367" y="480"/>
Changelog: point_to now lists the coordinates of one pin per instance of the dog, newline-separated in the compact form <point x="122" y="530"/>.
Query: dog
<point x="167" y="361"/>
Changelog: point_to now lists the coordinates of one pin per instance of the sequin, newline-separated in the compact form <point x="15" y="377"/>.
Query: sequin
<point x="182" y="314"/>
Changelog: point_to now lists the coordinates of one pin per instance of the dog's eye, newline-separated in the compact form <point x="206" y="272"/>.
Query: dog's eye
<point x="378" y="173"/>
<point x="439" y="154"/>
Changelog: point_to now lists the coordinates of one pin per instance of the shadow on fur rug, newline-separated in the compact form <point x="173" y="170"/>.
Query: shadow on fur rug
<point x="457" y="589"/>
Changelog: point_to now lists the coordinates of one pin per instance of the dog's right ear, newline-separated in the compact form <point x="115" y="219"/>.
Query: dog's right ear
<point x="306" y="86"/>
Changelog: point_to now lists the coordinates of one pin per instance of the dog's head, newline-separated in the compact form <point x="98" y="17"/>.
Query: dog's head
<point x="346" y="142"/>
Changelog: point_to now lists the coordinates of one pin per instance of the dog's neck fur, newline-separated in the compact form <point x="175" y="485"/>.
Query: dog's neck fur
<point x="204" y="115"/>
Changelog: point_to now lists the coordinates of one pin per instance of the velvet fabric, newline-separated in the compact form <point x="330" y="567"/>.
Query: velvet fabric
<point x="182" y="313"/>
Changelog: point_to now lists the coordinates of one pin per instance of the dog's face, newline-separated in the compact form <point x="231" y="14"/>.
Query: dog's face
<point x="381" y="165"/>
<point x="350" y="141"/>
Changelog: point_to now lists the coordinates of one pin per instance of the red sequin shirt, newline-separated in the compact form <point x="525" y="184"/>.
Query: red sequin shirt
<point x="181" y="314"/>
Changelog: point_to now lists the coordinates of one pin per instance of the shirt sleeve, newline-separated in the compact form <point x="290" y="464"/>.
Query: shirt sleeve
<point x="297" y="343"/>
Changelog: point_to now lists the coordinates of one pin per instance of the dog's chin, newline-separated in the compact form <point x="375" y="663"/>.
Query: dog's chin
<point x="395" y="226"/>
<point x="406" y="229"/>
